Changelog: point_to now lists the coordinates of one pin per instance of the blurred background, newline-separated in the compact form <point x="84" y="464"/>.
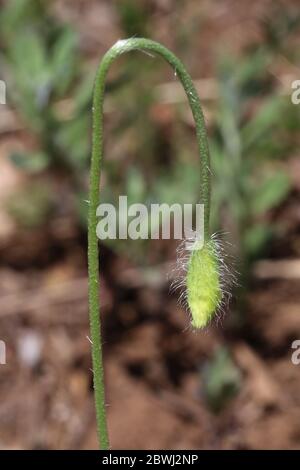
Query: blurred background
<point x="232" y="386"/>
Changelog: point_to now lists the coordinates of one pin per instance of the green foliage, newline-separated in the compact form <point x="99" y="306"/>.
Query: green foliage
<point x="44" y="81"/>
<point x="51" y="90"/>
<point x="246" y="152"/>
<point x="221" y="380"/>
<point x="32" y="163"/>
<point x="256" y="238"/>
<point x="273" y="190"/>
<point x="21" y="14"/>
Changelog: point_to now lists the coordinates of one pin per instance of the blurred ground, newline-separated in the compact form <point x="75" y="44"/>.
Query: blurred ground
<point x="232" y="386"/>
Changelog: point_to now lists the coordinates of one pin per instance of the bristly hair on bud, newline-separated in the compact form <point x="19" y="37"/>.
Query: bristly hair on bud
<point x="204" y="293"/>
<point x="205" y="274"/>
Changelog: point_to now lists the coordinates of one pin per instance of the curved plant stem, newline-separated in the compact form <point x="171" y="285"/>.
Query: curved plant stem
<point x="97" y="151"/>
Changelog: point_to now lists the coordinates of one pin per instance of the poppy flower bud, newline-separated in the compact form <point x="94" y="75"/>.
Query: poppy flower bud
<point x="203" y="286"/>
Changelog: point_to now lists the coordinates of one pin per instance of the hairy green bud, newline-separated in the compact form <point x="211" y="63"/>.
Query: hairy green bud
<point x="203" y="286"/>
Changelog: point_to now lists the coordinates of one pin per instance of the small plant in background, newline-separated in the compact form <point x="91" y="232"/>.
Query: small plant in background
<point x="221" y="380"/>
<point x="204" y="286"/>
<point x="41" y="85"/>
<point x="243" y="146"/>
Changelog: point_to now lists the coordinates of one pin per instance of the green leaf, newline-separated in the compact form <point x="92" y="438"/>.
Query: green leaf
<point x="30" y="162"/>
<point x="221" y="380"/>
<point x="84" y="92"/>
<point x="32" y="77"/>
<point x="271" y="193"/>
<point x="64" y="60"/>
<point x="256" y="238"/>
<point x="72" y="139"/>
<point x="135" y="186"/>
<point x="16" y="14"/>
<point x="267" y="116"/>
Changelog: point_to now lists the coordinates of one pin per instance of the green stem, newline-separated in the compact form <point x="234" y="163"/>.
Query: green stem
<point x="97" y="151"/>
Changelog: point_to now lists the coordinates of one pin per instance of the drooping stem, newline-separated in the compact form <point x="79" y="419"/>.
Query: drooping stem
<point x="97" y="152"/>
